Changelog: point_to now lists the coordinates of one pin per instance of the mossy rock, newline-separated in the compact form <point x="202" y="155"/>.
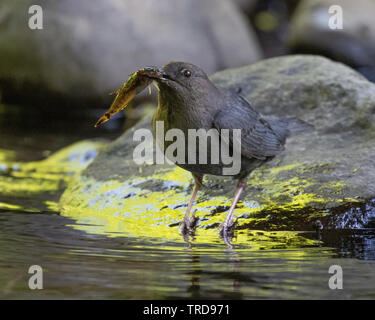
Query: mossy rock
<point x="327" y="175"/>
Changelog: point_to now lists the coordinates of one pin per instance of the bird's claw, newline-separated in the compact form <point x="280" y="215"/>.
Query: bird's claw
<point x="188" y="225"/>
<point x="226" y="230"/>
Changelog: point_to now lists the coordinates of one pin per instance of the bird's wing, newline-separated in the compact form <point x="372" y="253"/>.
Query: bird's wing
<point x="258" y="139"/>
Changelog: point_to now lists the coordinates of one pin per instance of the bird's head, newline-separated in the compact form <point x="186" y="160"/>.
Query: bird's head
<point x="182" y="78"/>
<point x="176" y="80"/>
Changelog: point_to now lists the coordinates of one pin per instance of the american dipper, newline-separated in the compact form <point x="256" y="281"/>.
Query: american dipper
<point x="189" y="100"/>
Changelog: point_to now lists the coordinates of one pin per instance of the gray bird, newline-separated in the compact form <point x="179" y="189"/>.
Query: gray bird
<point x="189" y="100"/>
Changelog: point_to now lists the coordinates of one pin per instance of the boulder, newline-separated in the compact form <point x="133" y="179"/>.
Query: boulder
<point x="246" y="5"/>
<point x="327" y="175"/>
<point x="87" y="49"/>
<point x="354" y="44"/>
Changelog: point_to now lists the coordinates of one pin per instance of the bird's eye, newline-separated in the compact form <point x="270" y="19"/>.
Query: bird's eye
<point x="186" y="73"/>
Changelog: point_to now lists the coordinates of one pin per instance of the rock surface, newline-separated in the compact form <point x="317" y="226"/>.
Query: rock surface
<point x="87" y="48"/>
<point x="353" y="45"/>
<point x="246" y="5"/>
<point x="327" y="175"/>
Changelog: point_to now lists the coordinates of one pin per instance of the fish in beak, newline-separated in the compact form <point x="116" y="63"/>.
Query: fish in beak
<point x="136" y="83"/>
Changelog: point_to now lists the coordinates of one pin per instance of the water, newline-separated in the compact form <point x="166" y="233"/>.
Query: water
<point x="78" y="264"/>
<point x="81" y="265"/>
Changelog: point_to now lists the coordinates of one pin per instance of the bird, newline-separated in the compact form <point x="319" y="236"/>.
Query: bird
<point x="188" y="99"/>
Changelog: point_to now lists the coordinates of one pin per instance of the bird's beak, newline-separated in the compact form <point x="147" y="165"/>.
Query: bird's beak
<point x="160" y="76"/>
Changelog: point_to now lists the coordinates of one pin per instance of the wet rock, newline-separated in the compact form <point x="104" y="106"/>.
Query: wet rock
<point x="327" y="175"/>
<point x="87" y="48"/>
<point x="353" y="45"/>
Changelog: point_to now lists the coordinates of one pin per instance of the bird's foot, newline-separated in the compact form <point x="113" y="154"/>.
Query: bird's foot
<point x="226" y="230"/>
<point x="189" y="224"/>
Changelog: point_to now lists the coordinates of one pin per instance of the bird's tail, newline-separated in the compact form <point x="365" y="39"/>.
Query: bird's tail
<point x="285" y="127"/>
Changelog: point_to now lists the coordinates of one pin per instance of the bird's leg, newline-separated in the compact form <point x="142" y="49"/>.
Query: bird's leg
<point x="188" y="223"/>
<point x="229" y="223"/>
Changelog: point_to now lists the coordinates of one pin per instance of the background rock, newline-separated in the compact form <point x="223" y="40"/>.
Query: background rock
<point x="328" y="174"/>
<point x="88" y="48"/>
<point x="354" y="45"/>
<point x="246" y="5"/>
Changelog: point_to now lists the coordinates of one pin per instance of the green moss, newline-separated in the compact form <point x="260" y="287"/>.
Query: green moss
<point x="107" y="209"/>
<point x="113" y="207"/>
